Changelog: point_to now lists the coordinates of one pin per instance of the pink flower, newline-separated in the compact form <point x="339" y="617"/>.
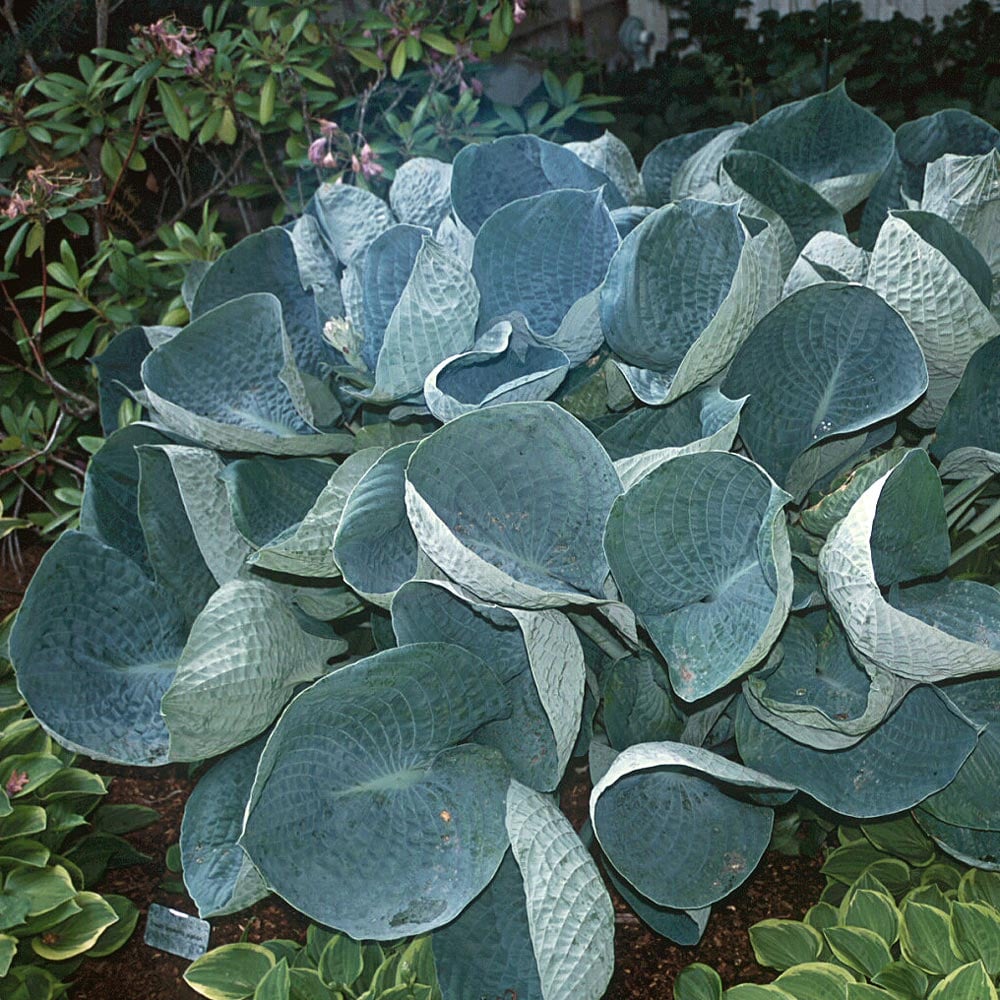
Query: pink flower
<point x="318" y="148"/>
<point x="203" y="58"/>
<point x="329" y="161"/>
<point x="17" y="782"/>
<point x="520" y="12"/>
<point x="17" y="206"/>
<point x="371" y="169"/>
<point x="355" y="164"/>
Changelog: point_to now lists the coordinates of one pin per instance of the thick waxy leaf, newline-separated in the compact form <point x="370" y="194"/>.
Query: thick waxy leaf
<point x="93" y="623"/>
<point x="319" y="269"/>
<point x="912" y="269"/>
<point x="888" y="771"/>
<point x="666" y="159"/>
<point x="505" y="366"/>
<point x="665" y="823"/>
<point x="833" y="144"/>
<point x="681" y="926"/>
<point x="374" y="546"/>
<point x="421" y="192"/>
<point x="699" y="551"/>
<point x="537" y="656"/>
<point x="780" y="944"/>
<point x="349" y="217"/>
<point x="537" y="256"/>
<point x="118" y="367"/>
<point x="489" y="176"/>
<point x="840" y="336"/>
<point x="698" y="175"/>
<point x="217" y="873"/>
<point x="266" y="262"/>
<point x="638" y="703"/>
<point x="972" y="847"/>
<point x="438" y="807"/>
<point x="612" y="157"/>
<point x="227" y="380"/>
<point x="890" y="638"/>
<point x="827" y="257"/>
<point x="492" y="525"/>
<point x="244" y="657"/>
<point x="683" y="291"/>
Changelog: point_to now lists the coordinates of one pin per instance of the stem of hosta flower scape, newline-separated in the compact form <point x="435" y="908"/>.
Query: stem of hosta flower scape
<point x="982" y="537"/>
<point x="962" y="494"/>
<point x="601" y="636"/>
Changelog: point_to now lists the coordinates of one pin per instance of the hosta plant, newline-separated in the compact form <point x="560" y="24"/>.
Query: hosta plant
<point x="897" y="919"/>
<point x="552" y="456"/>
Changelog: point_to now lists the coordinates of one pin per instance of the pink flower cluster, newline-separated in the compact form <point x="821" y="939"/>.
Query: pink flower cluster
<point x="323" y="154"/>
<point x="179" y="43"/>
<point x="17" y="205"/>
<point x="17" y="782"/>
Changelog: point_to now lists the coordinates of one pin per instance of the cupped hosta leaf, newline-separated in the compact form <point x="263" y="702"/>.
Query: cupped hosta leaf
<point x="489" y="176"/>
<point x="638" y="703"/>
<point x="683" y="291"/>
<point x="504" y="366"/>
<point x="511" y="503"/>
<point x="664" y="160"/>
<point x="118" y="369"/>
<point x="892" y="638"/>
<point x="834" y="145"/>
<point x="698" y="175"/>
<point x="266" y="262"/>
<point x="319" y="269"/>
<point x="663" y="819"/>
<point x="539" y="255"/>
<point x="227" y="380"/>
<point x="612" y="157"/>
<point x="93" y="623"/>
<point x="306" y="548"/>
<point x="217" y="873"/>
<point x="891" y="769"/>
<point x="816" y="367"/>
<point x="349" y="217"/>
<point x="420" y="193"/>
<point x="244" y="657"/>
<point x="780" y="944"/>
<point x="438" y="808"/>
<point x="698" y="982"/>
<point x="827" y="257"/>
<point x="980" y="848"/>
<point x="970" y="982"/>
<point x="374" y="546"/>
<point x="537" y="656"/>
<point x="917" y="267"/>
<point x="626" y="219"/>
<point x="699" y="551"/>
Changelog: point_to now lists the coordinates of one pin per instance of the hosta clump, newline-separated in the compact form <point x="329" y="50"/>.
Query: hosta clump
<point x="553" y="457"/>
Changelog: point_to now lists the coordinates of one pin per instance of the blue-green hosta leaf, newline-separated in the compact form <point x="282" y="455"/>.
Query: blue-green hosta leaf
<point x="228" y="381"/>
<point x="579" y="335"/>
<point x="488" y="176"/>
<point x="537" y="656"/>
<point x="665" y="159"/>
<point x="349" y="217"/>
<point x="420" y="193"/>
<point x="504" y="366"/>
<point x="911" y="269"/>
<point x="638" y="703"/>
<point x="834" y="145"/>
<point x="772" y="193"/>
<point x="817" y="694"/>
<point x="118" y="367"/>
<point x="626" y="219"/>
<point x="680" y="926"/>
<point x="826" y="257"/>
<point x="539" y="255"/>
<point x="374" y="545"/>
<point x="245" y="656"/>
<point x="437" y="808"/>
<point x="319" y="269"/>
<point x="217" y="873"/>
<point x="919" y="143"/>
<point x="965" y="190"/>
<point x="612" y="157"/>
<point x="890" y="638"/>
<point x="511" y="503"/>
<point x="266" y="262"/>
<point x="663" y="819"/>
<point x="682" y="293"/>
<point x="699" y="551"/>
<point x="915" y="752"/>
<point x="306" y="548"/>
<point x="815" y="367"/>
<point x="698" y="175"/>
<point x="92" y="623"/>
<point x="979" y="848"/>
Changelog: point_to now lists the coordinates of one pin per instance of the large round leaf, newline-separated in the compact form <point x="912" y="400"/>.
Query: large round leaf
<point x="511" y="503"/>
<point x="420" y="193"/>
<point x="350" y="218"/>
<point x="611" y="156"/>
<point x="664" y="160"/>
<point x="699" y="551"/>
<point x="827" y="257"/>
<point x="371" y="751"/>
<point x="816" y="366"/>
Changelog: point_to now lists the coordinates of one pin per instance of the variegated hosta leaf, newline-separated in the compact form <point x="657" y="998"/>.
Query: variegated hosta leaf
<point x="537" y="256"/>
<point x="488" y="176"/>
<point x="665" y="159"/>
<point x="612" y="157"/>
<point x="420" y="193"/>
<point x="699" y="551"/>
<point x="682" y="293"/>
<point x="915" y="752"/>
<point x="933" y="277"/>
<point x="228" y="380"/>
<point x="816" y="367"/>
<point x="436" y="807"/>
<point x="350" y="218"/>
<point x="306" y="548"/>
<point x="537" y="656"/>
<point x="244" y="658"/>
<point x="890" y="638"/>
<point x="664" y="819"/>
<point x="834" y="145"/>
<point x="826" y="257"/>
<point x="511" y="502"/>
<point x="217" y="873"/>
